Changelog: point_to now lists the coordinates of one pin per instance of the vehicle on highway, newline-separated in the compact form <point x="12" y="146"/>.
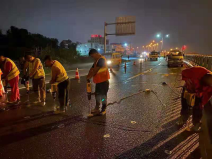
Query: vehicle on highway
<point x="153" y="56"/>
<point x="143" y="55"/>
<point x="175" y="58"/>
<point x="113" y="59"/>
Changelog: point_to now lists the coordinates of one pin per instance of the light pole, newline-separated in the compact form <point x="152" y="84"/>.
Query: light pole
<point x="143" y="48"/>
<point x="159" y="35"/>
<point x="125" y="45"/>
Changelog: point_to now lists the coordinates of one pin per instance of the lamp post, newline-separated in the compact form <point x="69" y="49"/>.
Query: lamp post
<point x="159" y="35"/>
<point x="143" y="48"/>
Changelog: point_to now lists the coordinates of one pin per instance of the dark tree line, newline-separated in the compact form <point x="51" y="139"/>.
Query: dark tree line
<point x="16" y="37"/>
<point x="17" y="40"/>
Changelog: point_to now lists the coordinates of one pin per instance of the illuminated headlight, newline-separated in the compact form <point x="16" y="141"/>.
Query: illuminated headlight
<point x="109" y="62"/>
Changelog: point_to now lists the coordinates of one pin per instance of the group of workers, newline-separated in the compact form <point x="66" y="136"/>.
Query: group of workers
<point x="33" y="69"/>
<point x="196" y="93"/>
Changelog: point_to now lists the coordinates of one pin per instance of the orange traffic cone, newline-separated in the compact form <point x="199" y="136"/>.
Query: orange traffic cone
<point x="1" y="89"/>
<point x="125" y="65"/>
<point x="134" y="63"/>
<point x="77" y="74"/>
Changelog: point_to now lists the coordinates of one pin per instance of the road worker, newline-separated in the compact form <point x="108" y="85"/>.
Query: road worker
<point x="100" y="74"/>
<point x="198" y="85"/>
<point x="60" y="77"/>
<point x="11" y="75"/>
<point x="34" y="69"/>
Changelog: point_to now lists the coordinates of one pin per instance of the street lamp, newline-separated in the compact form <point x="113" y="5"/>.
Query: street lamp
<point x="159" y="35"/>
<point x="125" y="44"/>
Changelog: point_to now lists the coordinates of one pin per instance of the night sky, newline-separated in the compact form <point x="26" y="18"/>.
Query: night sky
<point x="188" y="22"/>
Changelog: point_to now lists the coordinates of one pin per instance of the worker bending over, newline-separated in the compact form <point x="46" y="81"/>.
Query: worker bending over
<point x="59" y="76"/>
<point x="34" y="69"/>
<point x="100" y="74"/>
<point x="199" y="85"/>
<point x="11" y="75"/>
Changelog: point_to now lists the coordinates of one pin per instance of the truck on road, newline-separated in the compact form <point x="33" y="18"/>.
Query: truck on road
<point x="153" y="56"/>
<point x="175" y="58"/>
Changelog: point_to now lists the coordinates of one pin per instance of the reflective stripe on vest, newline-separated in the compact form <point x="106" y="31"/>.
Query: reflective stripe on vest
<point x="14" y="71"/>
<point x="39" y="72"/>
<point x="102" y="74"/>
<point x="62" y="76"/>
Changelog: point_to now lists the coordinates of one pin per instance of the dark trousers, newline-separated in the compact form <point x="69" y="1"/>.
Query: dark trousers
<point x="63" y="93"/>
<point x="196" y="110"/>
<point x="101" y="90"/>
<point x="39" y="87"/>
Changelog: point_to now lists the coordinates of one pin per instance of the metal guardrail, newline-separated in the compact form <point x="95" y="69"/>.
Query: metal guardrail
<point x="200" y="60"/>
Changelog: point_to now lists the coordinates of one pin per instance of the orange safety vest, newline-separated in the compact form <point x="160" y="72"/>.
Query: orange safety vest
<point x="14" y="71"/>
<point x="102" y="74"/>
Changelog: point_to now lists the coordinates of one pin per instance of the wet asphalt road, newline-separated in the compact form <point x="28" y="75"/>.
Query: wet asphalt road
<point x="138" y="124"/>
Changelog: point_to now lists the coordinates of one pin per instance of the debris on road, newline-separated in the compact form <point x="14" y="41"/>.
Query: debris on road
<point x="27" y="117"/>
<point x="168" y="152"/>
<point x="106" y="136"/>
<point x="133" y="122"/>
<point x="61" y="126"/>
<point x="147" y="90"/>
<point x="164" y="83"/>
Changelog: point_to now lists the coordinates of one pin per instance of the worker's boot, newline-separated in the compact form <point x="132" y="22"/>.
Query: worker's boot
<point x="181" y="121"/>
<point x="42" y="102"/>
<point x="95" y="110"/>
<point x="13" y="102"/>
<point x="195" y="128"/>
<point x="103" y="110"/>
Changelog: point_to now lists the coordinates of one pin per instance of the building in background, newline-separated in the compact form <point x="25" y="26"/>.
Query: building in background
<point x="84" y="49"/>
<point x="95" y="38"/>
<point x="118" y="47"/>
<point x="96" y="42"/>
<point x="65" y="44"/>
